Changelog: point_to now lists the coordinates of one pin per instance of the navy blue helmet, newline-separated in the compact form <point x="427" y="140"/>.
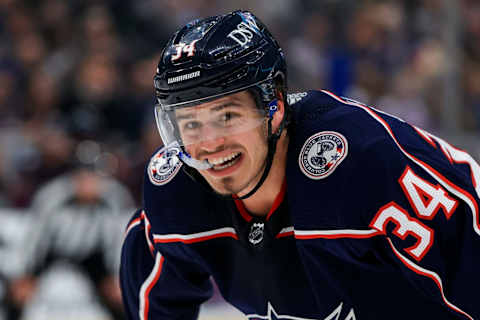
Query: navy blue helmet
<point x="216" y="56"/>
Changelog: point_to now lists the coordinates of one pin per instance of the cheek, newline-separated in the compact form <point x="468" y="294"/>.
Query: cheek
<point x="257" y="144"/>
<point x="191" y="150"/>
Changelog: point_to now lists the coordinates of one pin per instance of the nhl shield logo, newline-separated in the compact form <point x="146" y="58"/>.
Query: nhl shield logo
<point x="256" y="233"/>
<point x="163" y="166"/>
<point x="322" y="153"/>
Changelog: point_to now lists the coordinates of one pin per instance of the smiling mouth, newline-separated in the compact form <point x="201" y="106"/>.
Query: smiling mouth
<point x="225" y="162"/>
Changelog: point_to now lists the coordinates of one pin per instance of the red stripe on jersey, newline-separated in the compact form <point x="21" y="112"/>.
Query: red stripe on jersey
<point x="285" y="234"/>
<point x="132" y="225"/>
<point x="336" y="234"/>
<point x="278" y="199"/>
<point x="147" y="231"/>
<point x="427" y="273"/>
<point x="474" y="181"/>
<point x="150" y="282"/>
<point x="422" y="134"/>
<point x="242" y="210"/>
<point x="276" y="203"/>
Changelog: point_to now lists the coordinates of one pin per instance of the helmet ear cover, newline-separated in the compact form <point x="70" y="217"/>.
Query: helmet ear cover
<point x="265" y="94"/>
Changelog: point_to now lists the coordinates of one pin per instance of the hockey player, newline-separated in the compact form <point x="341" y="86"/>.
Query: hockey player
<point x="303" y="206"/>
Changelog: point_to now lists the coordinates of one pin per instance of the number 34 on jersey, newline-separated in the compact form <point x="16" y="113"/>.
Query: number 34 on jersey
<point x="427" y="200"/>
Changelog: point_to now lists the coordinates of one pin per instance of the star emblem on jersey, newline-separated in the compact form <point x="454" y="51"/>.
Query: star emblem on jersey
<point x="163" y="166"/>
<point x="273" y="315"/>
<point x="322" y="153"/>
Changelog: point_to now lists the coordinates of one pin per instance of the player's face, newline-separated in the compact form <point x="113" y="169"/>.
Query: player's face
<point x="230" y="133"/>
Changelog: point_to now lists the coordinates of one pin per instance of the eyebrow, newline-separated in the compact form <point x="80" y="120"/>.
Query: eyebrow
<point x="213" y="109"/>
<point x="225" y="105"/>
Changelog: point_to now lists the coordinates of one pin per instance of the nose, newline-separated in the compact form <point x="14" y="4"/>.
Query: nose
<point x="212" y="144"/>
<point x="212" y="138"/>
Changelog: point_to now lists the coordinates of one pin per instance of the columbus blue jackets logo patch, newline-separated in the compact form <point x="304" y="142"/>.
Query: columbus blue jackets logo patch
<point x="163" y="166"/>
<point x="322" y="153"/>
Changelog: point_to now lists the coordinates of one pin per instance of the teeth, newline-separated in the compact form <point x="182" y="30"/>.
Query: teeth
<point x="219" y="161"/>
<point x="225" y="166"/>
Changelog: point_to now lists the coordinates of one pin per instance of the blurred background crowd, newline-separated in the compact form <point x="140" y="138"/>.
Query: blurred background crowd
<point x="77" y="126"/>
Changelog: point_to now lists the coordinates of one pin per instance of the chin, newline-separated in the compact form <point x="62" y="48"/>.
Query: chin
<point x="226" y="187"/>
<point x="223" y="193"/>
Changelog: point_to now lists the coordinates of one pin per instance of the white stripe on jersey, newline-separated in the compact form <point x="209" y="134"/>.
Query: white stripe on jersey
<point x="199" y="235"/>
<point x="147" y="286"/>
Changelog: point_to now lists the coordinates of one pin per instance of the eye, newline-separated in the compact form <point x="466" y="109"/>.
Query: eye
<point x="228" y="117"/>
<point x="192" y="125"/>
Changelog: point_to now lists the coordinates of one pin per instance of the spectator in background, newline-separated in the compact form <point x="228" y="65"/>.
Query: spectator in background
<point x="9" y="97"/>
<point x="93" y="57"/>
<point x="472" y="96"/>
<point x="149" y="142"/>
<point x="471" y="67"/>
<point x="405" y="101"/>
<point x="310" y="45"/>
<point x="79" y="218"/>
<point x="136" y="109"/>
<point x="93" y="96"/>
<point x="42" y="101"/>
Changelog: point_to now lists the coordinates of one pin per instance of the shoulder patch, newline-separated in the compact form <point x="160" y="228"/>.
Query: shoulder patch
<point x="163" y="166"/>
<point x="322" y="153"/>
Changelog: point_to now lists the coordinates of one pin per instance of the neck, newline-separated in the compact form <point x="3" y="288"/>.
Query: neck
<point x="262" y="200"/>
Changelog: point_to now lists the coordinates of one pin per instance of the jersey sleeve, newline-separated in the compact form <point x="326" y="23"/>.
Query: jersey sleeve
<point x="426" y="211"/>
<point x="156" y="285"/>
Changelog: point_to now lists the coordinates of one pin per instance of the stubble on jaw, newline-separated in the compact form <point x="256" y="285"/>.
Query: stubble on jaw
<point x="228" y="183"/>
<point x="225" y="186"/>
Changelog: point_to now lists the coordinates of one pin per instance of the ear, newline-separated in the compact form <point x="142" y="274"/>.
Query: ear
<point x="279" y="114"/>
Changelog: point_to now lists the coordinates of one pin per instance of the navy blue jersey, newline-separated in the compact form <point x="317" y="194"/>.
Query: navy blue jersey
<point x="377" y="219"/>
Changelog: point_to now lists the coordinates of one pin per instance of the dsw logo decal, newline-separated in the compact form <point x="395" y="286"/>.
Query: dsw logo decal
<point x="273" y="315"/>
<point x="245" y="29"/>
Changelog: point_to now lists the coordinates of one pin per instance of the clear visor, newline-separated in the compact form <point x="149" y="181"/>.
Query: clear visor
<point x="192" y="126"/>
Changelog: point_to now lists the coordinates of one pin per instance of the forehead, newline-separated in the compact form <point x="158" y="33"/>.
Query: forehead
<point x="242" y="99"/>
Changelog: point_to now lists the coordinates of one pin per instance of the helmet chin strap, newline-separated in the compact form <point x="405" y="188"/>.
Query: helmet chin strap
<point x="272" y="147"/>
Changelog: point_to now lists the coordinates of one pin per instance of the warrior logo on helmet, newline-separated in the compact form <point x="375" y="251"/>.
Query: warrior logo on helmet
<point x="163" y="166"/>
<point x="322" y="153"/>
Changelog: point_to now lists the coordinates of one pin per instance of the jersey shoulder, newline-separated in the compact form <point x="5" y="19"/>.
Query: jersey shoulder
<point x="318" y="111"/>
<point x="351" y="156"/>
<point x="173" y="202"/>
